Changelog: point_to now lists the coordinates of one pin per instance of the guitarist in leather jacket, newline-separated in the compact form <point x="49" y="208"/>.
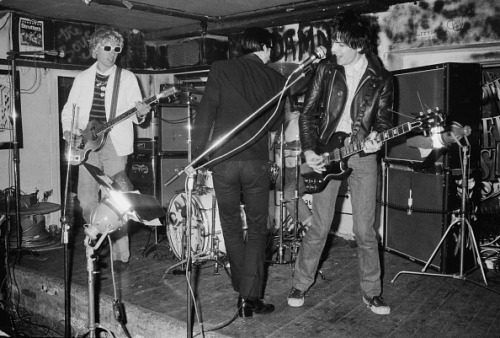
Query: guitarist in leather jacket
<point x="90" y="100"/>
<point x="351" y="92"/>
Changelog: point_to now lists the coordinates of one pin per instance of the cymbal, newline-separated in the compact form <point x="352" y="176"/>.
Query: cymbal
<point x="39" y="208"/>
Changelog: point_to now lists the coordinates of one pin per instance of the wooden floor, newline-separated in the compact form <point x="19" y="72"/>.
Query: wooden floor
<point x="422" y="306"/>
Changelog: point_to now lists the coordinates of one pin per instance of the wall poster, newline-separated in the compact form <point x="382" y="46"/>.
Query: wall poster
<point x="31" y="37"/>
<point x="7" y="134"/>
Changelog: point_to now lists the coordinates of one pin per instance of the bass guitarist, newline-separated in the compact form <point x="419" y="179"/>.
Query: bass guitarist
<point x="352" y="93"/>
<point x="90" y="101"/>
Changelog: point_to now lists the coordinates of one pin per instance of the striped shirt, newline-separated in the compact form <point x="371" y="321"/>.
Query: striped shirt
<point x="98" y="111"/>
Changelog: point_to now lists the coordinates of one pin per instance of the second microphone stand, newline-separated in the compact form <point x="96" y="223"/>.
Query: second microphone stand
<point x="465" y="227"/>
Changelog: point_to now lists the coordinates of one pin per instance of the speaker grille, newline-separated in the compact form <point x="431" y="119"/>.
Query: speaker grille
<point x="416" y="234"/>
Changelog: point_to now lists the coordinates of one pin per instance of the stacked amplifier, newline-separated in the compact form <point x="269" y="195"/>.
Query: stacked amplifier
<point x="155" y="161"/>
<point x="420" y="183"/>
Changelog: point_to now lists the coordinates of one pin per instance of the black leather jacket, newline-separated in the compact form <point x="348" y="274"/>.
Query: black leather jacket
<point x="326" y="97"/>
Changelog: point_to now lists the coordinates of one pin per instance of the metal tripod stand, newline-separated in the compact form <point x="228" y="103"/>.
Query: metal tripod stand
<point x="464" y="223"/>
<point x="291" y="244"/>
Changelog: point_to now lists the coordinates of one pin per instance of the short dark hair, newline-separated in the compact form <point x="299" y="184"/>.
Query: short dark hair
<point x="254" y="39"/>
<point x="356" y="31"/>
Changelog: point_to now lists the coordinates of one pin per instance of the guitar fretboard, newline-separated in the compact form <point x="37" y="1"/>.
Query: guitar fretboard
<point x="357" y="146"/>
<point x="111" y="123"/>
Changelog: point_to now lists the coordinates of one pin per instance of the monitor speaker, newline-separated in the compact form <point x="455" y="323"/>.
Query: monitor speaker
<point x="453" y="88"/>
<point x="414" y="229"/>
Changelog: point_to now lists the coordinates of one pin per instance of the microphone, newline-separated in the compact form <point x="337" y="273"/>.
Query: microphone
<point x="59" y="53"/>
<point x="454" y="135"/>
<point x="319" y="53"/>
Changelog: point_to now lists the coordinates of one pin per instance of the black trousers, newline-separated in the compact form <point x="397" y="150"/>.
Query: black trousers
<point x="247" y="180"/>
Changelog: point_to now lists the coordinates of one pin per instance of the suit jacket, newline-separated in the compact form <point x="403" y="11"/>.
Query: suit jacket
<point x="234" y="90"/>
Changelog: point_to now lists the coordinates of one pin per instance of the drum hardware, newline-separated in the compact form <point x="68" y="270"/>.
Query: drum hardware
<point x="288" y="241"/>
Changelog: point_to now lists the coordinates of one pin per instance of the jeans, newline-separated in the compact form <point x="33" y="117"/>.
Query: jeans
<point x="88" y="193"/>
<point x="248" y="180"/>
<point x="363" y="185"/>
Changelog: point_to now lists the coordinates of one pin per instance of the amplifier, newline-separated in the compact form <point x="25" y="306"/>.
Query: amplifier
<point x="453" y="88"/>
<point x="145" y="146"/>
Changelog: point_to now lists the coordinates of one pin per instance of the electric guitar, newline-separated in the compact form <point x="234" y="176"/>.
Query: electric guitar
<point x="94" y="136"/>
<point x="336" y="156"/>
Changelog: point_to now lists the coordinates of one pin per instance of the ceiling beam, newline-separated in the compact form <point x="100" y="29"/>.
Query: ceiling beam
<point x="269" y="17"/>
<point x="136" y="6"/>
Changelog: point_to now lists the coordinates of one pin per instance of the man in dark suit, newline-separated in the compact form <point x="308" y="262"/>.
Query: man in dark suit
<point x="234" y="90"/>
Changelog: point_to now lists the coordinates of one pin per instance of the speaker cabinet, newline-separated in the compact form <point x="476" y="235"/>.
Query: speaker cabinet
<point x="140" y="170"/>
<point x="171" y="165"/>
<point x="453" y="88"/>
<point x="149" y="174"/>
<point x="413" y="230"/>
<point x="196" y="51"/>
<point x="174" y="127"/>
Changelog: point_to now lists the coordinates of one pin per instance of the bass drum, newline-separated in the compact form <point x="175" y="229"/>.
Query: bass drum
<point x="204" y="214"/>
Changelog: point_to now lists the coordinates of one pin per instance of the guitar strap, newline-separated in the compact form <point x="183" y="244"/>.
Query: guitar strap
<point x="115" y="93"/>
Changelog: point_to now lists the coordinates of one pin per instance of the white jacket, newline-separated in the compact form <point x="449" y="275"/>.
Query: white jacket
<point x="82" y="94"/>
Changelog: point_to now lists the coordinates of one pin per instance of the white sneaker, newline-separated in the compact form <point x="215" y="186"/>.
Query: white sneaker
<point x="296" y="298"/>
<point x="377" y="305"/>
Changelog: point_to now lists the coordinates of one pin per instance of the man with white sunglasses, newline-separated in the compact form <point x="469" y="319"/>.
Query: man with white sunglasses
<point x="90" y="99"/>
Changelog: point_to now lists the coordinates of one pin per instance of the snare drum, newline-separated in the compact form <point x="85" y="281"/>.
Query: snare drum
<point x="204" y="214"/>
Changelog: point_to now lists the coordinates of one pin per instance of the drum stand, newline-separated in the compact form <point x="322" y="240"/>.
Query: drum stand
<point x="463" y="221"/>
<point x="282" y="242"/>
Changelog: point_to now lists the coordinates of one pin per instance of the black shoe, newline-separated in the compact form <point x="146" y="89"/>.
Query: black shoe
<point x="120" y="266"/>
<point x="247" y="307"/>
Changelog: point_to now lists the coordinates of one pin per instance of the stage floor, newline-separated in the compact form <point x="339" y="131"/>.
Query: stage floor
<point x="422" y="306"/>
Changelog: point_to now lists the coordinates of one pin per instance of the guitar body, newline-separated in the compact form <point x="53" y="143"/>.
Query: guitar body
<point x="91" y="141"/>
<point x="336" y="154"/>
<point x="335" y="169"/>
<point x="94" y="136"/>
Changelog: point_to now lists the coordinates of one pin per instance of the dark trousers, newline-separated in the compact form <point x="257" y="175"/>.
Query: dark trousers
<point x="247" y="180"/>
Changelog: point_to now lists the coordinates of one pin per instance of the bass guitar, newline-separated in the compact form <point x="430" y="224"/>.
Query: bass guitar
<point x="336" y="156"/>
<point x="94" y="136"/>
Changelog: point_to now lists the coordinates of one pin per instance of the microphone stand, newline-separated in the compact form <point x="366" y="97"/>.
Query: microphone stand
<point x="463" y="220"/>
<point x="66" y="226"/>
<point x="15" y="150"/>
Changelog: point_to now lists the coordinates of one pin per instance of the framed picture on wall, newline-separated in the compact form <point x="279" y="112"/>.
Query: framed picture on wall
<point x="10" y="115"/>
